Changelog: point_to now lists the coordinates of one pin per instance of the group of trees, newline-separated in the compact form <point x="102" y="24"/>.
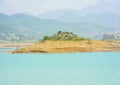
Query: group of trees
<point x="63" y="36"/>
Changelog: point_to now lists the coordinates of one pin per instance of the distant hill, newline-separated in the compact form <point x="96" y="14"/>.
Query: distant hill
<point x="102" y="7"/>
<point x="31" y="27"/>
<point x="105" y="13"/>
<point x="58" y="14"/>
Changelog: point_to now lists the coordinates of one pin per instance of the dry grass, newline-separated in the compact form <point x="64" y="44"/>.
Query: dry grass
<point x="71" y="46"/>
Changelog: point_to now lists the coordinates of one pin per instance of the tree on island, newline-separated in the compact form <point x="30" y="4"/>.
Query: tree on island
<point x="59" y="32"/>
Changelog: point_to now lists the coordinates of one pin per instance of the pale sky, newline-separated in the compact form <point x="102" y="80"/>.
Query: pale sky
<point x="41" y="6"/>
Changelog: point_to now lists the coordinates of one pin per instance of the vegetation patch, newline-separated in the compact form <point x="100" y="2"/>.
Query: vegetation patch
<point x="66" y="36"/>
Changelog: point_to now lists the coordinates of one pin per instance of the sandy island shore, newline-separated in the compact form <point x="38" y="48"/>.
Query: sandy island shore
<point x="71" y="46"/>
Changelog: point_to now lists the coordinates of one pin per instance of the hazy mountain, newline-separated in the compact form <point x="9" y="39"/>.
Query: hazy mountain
<point x="57" y="14"/>
<point x="105" y="13"/>
<point x="7" y="24"/>
<point x="103" y="6"/>
<point x="27" y="13"/>
<point x="35" y="28"/>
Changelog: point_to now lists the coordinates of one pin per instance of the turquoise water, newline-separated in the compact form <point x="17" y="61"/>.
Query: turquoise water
<point x="60" y="69"/>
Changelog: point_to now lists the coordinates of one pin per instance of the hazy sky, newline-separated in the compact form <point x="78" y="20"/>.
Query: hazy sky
<point x="40" y="6"/>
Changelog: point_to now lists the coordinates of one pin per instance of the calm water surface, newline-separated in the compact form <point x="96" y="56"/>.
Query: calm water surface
<point x="60" y="69"/>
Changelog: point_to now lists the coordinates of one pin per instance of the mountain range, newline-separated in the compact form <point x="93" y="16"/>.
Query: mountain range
<point x="105" y="13"/>
<point x="91" y="22"/>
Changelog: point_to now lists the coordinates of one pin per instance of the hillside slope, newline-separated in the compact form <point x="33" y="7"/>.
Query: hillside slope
<point x="31" y="27"/>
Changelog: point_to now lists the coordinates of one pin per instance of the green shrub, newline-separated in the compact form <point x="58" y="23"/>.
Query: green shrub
<point x="64" y="36"/>
<point x="46" y="38"/>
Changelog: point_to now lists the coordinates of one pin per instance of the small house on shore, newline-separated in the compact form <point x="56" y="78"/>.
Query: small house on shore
<point x="108" y="36"/>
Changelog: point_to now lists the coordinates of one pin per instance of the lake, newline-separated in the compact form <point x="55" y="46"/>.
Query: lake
<point x="100" y="68"/>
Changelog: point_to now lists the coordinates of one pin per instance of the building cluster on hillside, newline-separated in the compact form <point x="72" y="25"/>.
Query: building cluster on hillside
<point x="11" y="37"/>
<point x="110" y="36"/>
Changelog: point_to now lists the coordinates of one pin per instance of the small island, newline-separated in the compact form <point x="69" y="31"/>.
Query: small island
<point x="68" y="42"/>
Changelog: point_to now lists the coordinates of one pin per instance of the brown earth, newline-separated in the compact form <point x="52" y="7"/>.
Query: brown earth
<point x="71" y="46"/>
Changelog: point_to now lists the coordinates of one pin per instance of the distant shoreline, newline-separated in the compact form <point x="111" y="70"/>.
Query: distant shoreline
<point x="10" y="47"/>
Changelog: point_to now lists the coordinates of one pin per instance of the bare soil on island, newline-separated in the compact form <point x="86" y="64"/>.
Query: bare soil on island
<point x="71" y="46"/>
